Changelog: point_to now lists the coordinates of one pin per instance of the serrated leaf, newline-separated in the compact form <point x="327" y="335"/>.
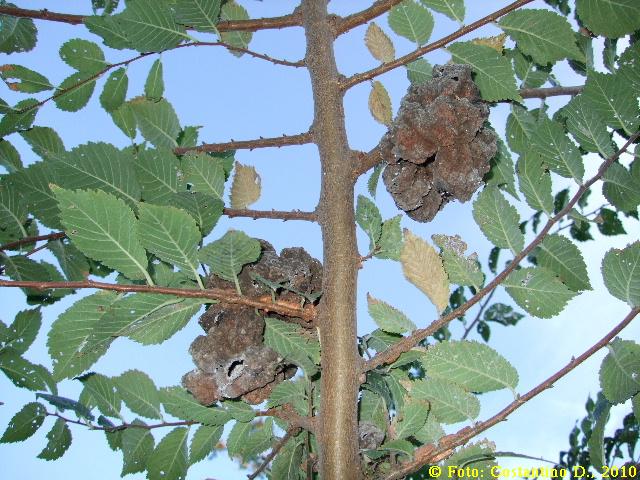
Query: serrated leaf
<point x="59" y="441"/>
<point x="380" y="103"/>
<point x="239" y="410"/>
<point x="21" y="117"/>
<point x="372" y="183"/>
<point x="595" y="442"/>
<point x="460" y="269"/>
<point x="496" y="42"/>
<point x="561" y="256"/>
<point x="25" y="79"/>
<point x="204" y="174"/>
<point x="531" y="74"/>
<point x="159" y="175"/>
<point x="23" y="331"/>
<point x="154" y="85"/>
<point x="75" y="91"/>
<point x="611" y="98"/>
<point x="412" y="21"/>
<point x="83" y="55"/>
<point x="454" y="9"/>
<point x="388" y="318"/>
<point x="369" y="219"/>
<point x="473" y="459"/>
<point x="22" y="372"/>
<point x="181" y="404"/>
<point x="13" y="212"/>
<point x="546" y="36"/>
<point x="115" y="90"/>
<point x="535" y="182"/>
<point x="71" y="330"/>
<point x="498" y="220"/>
<point x="587" y="127"/>
<point x="63" y="404"/>
<point x="286" y="466"/>
<point x="412" y="418"/>
<point x="609" y="223"/>
<point x="150" y="26"/>
<point x="290" y="341"/>
<point x="103" y="392"/>
<point x="419" y="71"/>
<point x="168" y="461"/>
<point x="201" y="15"/>
<point x="227" y="255"/>
<point x="172" y="235"/>
<point x="237" y="439"/>
<point x="373" y="408"/>
<point x="44" y="141"/>
<point x="449" y="402"/>
<point x="611" y="18"/>
<point x="621" y="272"/>
<point x="520" y="127"/>
<point x="391" y="242"/>
<point x="136" y="444"/>
<point x="494" y="73"/>
<point x="379" y="44"/>
<point x="289" y="392"/>
<point x="230" y="11"/>
<point x="558" y="152"/>
<point x="472" y="365"/>
<point x="24" y="423"/>
<point x="628" y="65"/>
<point x="622" y="187"/>
<point x="206" y="209"/>
<point x="502" y="170"/>
<point x="620" y="371"/>
<point x="139" y="393"/>
<point x="538" y="291"/>
<point x="204" y="442"/>
<point x="246" y="188"/>
<point x="17" y="34"/>
<point x="20" y="267"/>
<point x="33" y="183"/>
<point x="422" y="266"/>
<point x="73" y="263"/>
<point x="157" y="121"/>
<point x="109" y="29"/>
<point x="103" y="227"/>
<point x="9" y="156"/>
<point x="124" y="118"/>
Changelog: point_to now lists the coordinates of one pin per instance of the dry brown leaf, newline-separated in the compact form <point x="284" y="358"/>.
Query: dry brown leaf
<point x="379" y="44"/>
<point x="497" y="42"/>
<point x="246" y="186"/>
<point x="422" y="266"/>
<point x="380" y="104"/>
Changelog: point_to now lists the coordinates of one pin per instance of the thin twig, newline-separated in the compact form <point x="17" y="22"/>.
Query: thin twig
<point x="272" y="214"/>
<point x="477" y="319"/>
<point x="550" y="91"/>
<point x="290" y="309"/>
<point x="123" y="426"/>
<point x="292" y="432"/>
<point x="363" y="16"/>
<point x="385" y="67"/>
<point x="291" y="20"/>
<point x="404" y="345"/>
<point x="428" y="453"/>
<point x="299" y="139"/>
<point x="27" y="240"/>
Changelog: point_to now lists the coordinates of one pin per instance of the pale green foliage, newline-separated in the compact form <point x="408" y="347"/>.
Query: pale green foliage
<point x="620" y="371"/>
<point x="535" y="182"/>
<point x="388" y="318"/>
<point x="538" y="291"/>
<point x="412" y="21"/>
<point x="621" y="271"/>
<point x="498" y="220"/>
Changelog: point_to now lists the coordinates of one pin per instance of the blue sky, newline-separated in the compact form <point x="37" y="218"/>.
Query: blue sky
<point x="247" y="98"/>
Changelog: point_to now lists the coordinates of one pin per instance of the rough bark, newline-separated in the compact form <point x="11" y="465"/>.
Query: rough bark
<point x="338" y="432"/>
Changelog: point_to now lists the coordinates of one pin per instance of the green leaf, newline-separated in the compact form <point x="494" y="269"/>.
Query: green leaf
<point x="115" y="90"/>
<point x="546" y="36"/>
<point x="622" y="187"/>
<point x="154" y="85"/>
<point x="373" y="408"/>
<point x="611" y="18"/>
<point x="227" y="255"/>
<point x="502" y="314"/>
<point x="204" y="442"/>
<point x="204" y="174"/>
<point x="75" y="92"/>
<point x="587" y="127"/>
<point x="398" y="447"/>
<point x="103" y="392"/>
<point x="124" y="118"/>
<point x="83" y="55"/>
<point x="17" y="34"/>
<point x="595" y="442"/>
<point x="621" y="272"/>
<point x="13" y="212"/>
<point x="9" y="156"/>
<point x="531" y="74"/>
<point x="157" y="121"/>
<point x="28" y="81"/>
<point x="369" y="219"/>
<point x="502" y="170"/>
<point x="289" y="392"/>
<point x="104" y="228"/>
<point x="137" y="445"/>
<point x="412" y="418"/>
<point x="73" y="263"/>
<point x="498" y="220"/>
<point x="201" y="15"/>
<point x="473" y="459"/>
<point x="159" y="175"/>
<point x="292" y="342"/>
<point x="620" y="371"/>
<point x="63" y="404"/>
<point x="609" y="223"/>
<point x="168" y="461"/>
<point x="71" y="330"/>
<point x="23" y="331"/>
<point x="610" y="97"/>
<point x="231" y="11"/>
<point x="172" y="235"/>
<point x="520" y="127"/>
<point x="22" y="372"/>
<point x="24" y="423"/>
<point x="538" y="291"/>
<point x="562" y="257"/>
<point x="390" y="243"/>
<point x="109" y="29"/>
<point x="388" y="318"/>
<point x="139" y="393"/>
<point x="372" y="183"/>
<point x="461" y="270"/>
<point x="181" y="404"/>
<point x="150" y="26"/>
<point x="99" y="166"/>
<point x="411" y="21"/>
<point x="558" y="152"/>
<point x="21" y="117"/>
<point x="535" y="182"/>
<point x="239" y="410"/>
<point x="59" y="441"/>
<point x="419" y="71"/>
<point x="206" y="209"/>
<point x="237" y="439"/>
<point x="454" y="9"/>
<point x="472" y="365"/>
<point x="286" y="466"/>
<point x="449" y="402"/>
<point x="44" y="141"/>
<point x="628" y="66"/>
<point x="494" y="73"/>
<point x="635" y="402"/>
<point x="19" y="267"/>
<point x="431" y="432"/>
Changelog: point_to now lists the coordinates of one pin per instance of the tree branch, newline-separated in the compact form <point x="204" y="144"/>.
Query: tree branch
<point x="404" y="345"/>
<point x="123" y="426"/>
<point x="272" y="214"/>
<point x="230" y="296"/>
<point x="291" y="432"/>
<point x="478" y="315"/>
<point x="428" y="453"/>
<point x="359" y="18"/>
<point x="550" y="91"/>
<point x="291" y="20"/>
<point x="299" y="139"/>
<point x="28" y="240"/>
<point x="385" y="67"/>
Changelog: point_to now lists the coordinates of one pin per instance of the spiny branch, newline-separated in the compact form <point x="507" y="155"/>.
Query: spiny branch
<point x="393" y="352"/>
<point x="291" y="20"/>
<point x="385" y="67"/>
<point x="299" y="139"/>
<point x="359" y="18"/>
<point x="428" y="453"/>
<point x="272" y="214"/>
<point x="291" y="432"/>
<point x="307" y="313"/>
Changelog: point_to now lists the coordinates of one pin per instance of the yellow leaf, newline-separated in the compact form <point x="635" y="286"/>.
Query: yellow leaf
<point x="379" y="44"/>
<point x="497" y="42"/>
<point x="246" y="186"/>
<point x="380" y="104"/>
<point x="422" y="266"/>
